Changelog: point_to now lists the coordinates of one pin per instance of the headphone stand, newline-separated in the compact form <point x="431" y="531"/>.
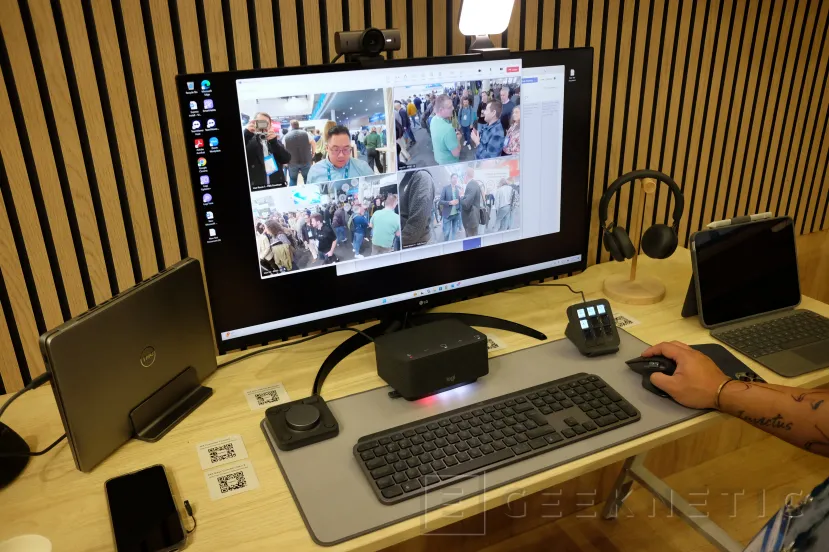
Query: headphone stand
<point x="636" y="289"/>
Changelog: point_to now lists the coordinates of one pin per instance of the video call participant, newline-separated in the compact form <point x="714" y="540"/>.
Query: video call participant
<point x="374" y="141"/>
<point x="359" y="225"/>
<point x="338" y="222"/>
<point x="446" y="141"/>
<point x="339" y="164"/>
<point x="450" y="208"/>
<point x="385" y="225"/>
<point x="472" y="202"/>
<point x="481" y="107"/>
<point x="263" y="245"/>
<point x="300" y="145"/>
<point x="512" y="141"/>
<point x="466" y="118"/>
<point x="326" y="239"/>
<point x="503" y="205"/>
<point x="417" y="196"/>
<point x="259" y="146"/>
<point x="489" y="138"/>
<point x="506" y="108"/>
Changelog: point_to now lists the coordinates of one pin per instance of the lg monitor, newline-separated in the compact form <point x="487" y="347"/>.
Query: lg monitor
<point x="332" y="194"/>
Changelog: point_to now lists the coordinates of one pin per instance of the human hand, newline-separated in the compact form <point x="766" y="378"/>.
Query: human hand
<point x="271" y="135"/>
<point x="453" y="202"/>
<point x="251" y="126"/>
<point x="696" y="379"/>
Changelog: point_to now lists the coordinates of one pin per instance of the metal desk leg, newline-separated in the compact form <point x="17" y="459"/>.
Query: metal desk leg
<point x="635" y="470"/>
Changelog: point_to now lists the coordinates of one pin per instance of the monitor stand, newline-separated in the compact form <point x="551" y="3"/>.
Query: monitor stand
<point x="408" y="320"/>
<point x="165" y="408"/>
<point x="11" y="466"/>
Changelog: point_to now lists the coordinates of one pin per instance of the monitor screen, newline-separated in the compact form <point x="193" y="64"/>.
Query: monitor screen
<point x="337" y="193"/>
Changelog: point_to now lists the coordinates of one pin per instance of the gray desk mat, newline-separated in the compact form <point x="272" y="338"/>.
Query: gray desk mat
<point x="334" y="497"/>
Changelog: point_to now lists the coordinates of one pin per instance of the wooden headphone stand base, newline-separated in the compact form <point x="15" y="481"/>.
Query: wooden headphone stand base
<point x="632" y="289"/>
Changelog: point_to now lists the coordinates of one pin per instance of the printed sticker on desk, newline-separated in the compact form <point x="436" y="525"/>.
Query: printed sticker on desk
<point x="221" y="451"/>
<point x="265" y="397"/>
<point x="231" y="480"/>
<point x="494" y="343"/>
<point x="624" y="320"/>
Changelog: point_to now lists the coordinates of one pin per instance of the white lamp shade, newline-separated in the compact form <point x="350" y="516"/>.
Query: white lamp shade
<point x="485" y="17"/>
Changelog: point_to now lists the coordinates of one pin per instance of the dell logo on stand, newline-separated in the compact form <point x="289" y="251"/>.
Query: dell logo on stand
<point x="147" y="356"/>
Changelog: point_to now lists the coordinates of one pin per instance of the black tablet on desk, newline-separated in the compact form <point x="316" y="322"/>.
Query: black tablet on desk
<point x="747" y="288"/>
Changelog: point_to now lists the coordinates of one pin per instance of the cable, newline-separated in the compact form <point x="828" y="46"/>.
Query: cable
<point x="338" y="56"/>
<point x="34" y="384"/>
<point x="583" y="300"/>
<point x="297" y="342"/>
<point x="190" y="513"/>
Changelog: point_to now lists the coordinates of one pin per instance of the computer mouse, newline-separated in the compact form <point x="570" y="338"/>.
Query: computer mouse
<point x="645" y="366"/>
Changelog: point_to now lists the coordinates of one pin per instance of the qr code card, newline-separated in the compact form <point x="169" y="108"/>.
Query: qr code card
<point x="624" y="320"/>
<point x="265" y="397"/>
<point x="221" y="451"/>
<point x="231" y="480"/>
<point x="494" y="343"/>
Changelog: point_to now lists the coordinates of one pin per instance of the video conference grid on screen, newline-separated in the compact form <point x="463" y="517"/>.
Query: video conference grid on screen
<point x="379" y="167"/>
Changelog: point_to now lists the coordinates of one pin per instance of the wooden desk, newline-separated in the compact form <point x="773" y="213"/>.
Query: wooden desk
<point x="52" y="498"/>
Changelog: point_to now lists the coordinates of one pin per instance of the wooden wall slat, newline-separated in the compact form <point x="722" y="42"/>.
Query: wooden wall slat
<point x="96" y="125"/>
<point x="64" y="124"/>
<point x="334" y="16"/>
<point x="241" y="34"/>
<point x="12" y="27"/>
<point x="264" y="31"/>
<point x="168" y="69"/>
<point x="9" y="372"/>
<point x="760" y="142"/>
<point x="151" y="130"/>
<point x="289" y="37"/>
<point x="124" y="132"/>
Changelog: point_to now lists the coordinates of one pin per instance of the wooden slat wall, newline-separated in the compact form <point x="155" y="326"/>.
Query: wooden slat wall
<point x="727" y="96"/>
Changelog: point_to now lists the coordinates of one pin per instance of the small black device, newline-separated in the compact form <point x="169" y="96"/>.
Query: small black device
<point x="143" y="512"/>
<point x="424" y="360"/>
<point x="660" y="240"/>
<point x="403" y="462"/>
<point x="301" y="423"/>
<point x="645" y="366"/>
<point x="747" y="287"/>
<point x="369" y="42"/>
<point x="592" y="328"/>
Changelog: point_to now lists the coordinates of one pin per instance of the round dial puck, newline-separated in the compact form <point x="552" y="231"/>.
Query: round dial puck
<point x="302" y="417"/>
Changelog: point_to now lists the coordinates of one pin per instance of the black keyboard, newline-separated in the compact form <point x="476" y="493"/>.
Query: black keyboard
<point x="799" y="328"/>
<point x="406" y="461"/>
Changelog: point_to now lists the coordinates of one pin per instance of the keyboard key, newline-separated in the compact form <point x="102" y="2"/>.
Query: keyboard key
<point x="400" y="466"/>
<point x="382" y="472"/>
<point x="585" y="407"/>
<point x="532" y="396"/>
<point x="466" y="416"/>
<point x="392" y="492"/>
<point x="543" y="393"/>
<point x="508" y="411"/>
<point x="546" y="410"/>
<point x="455" y="419"/>
<point x="409" y="433"/>
<point x="566" y="404"/>
<point x="612" y="395"/>
<point x="444" y="423"/>
<point x="553" y="438"/>
<point x="438" y="454"/>
<point x="413" y="462"/>
<point x="559" y="396"/>
<point x="411" y="485"/>
<point x="568" y="432"/>
<point x="498" y="445"/>
<point x="429" y="436"/>
<point x="384" y="482"/>
<point x="462" y="446"/>
<point x="603" y="411"/>
<point x="589" y="426"/>
<point x="521" y="448"/>
<point x="473" y="442"/>
<point x="539" y="403"/>
<point x="520" y="418"/>
<point x="477" y="412"/>
<point x="474" y="453"/>
<point x="487" y="428"/>
<point x="441" y="433"/>
<point x="540" y="432"/>
<point x="429" y="447"/>
<point x="441" y="442"/>
<point x="521" y="438"/>
<point x="450" y="450"/>
<point x="417" y="440"/>
<point x="450" y="461"/>
<point x="510" y="442"/>
<point x="621" y="415"/>
<point x="485" y="439"/>
<point x="486" y="419"/>
<point x="379" y="451"/>
<point x="416" y="450"/>
<point x="366" y="445"/>
<point x="628" y="409"/>
<point x="497" y="416"/>
<point x="425" y="458"/>
<point x="613" y="408"/>
<point x="421" y="430"/>
<point x="519" y="428"/>
<point x="392" y="447"/>
<point x="579" y="430"/>
<point x="397" y="437"/>
<point x="367" y="455"/>
<point x="538" y="443"/>
<point x="500" y="406"/>
<point x="519" y="400"/>
<point x="476" y="431"/>
<point x="462" y="457"/>
<point x="452" y="439"/>
<point x="529" y="424"/>
<point x="426" y="469"/>
<point x="385" y="440"/>
<point x="489" y="409"/>
<point x="428" y="480"/>
<point x="508" y="431"/>
<point x="375" y="463"/>
<point x="486" y="449"/>
<point x="557" y="407"/>
<point x="412" y="473"/>
<point x="499" y="424"/>
<point x="463" y="426"/>
<point x="570" y="421"/>
<point x="438" y="465"/>
<point x="605" y="401"/>
<point x="431" y="427"/>
<point x="524" y="407"/>
<point x="510" y="402"/>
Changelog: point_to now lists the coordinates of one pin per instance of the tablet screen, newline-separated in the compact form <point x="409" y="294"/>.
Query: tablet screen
<point x="746" y="270"/>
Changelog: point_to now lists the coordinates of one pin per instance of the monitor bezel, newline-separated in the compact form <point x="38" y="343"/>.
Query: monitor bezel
<point x="530" y="58"/>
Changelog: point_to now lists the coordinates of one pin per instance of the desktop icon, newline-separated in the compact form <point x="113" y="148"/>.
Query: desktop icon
<point x="440" y="288"/>
<point x="211" y="232"/>
<point x="193" y="106"/>
<point x="572" y="73"/>
<point x="191" y="85"/>
<point x="204" y="180"/>
<point x="384" y="301"/>
<point x="452" y="286"/>
<point x="196" y="125"/>
<point x="207" y="198"/>
<point x="205" y="84"/>
<point x="199" y="143"/>
<point x="201" y="162"/>
<point x="208" y="104"/>
<point x="209" y="215"/>
<point x="214" y="142"/>
<point x="211" y="123"/>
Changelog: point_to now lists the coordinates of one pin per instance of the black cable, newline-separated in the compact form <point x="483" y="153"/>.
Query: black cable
<point x="583" y="300"/>
<point x="297" y="342"/>
<point x="338" y="56"/>
<point x="190" y="513"/>
<point x="34" y="384"/>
